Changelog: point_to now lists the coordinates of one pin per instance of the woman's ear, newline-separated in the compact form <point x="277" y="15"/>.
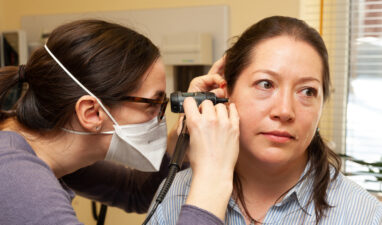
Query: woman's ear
<point x="89" y="113"/>
<point x="221" y="90"/>
<point x="225" y="89"/>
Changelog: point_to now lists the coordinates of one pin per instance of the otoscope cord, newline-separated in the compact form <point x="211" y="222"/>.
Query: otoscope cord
<point x="175" y="165"/>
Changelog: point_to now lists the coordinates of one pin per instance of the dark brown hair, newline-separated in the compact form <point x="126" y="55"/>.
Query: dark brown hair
<point x="107" y="58"/>
<point x="238" y="57"/>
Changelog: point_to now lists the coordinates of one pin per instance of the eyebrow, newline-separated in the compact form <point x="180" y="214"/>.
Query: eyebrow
<point x="158" y="94"/>
<point x="275" y="74"/>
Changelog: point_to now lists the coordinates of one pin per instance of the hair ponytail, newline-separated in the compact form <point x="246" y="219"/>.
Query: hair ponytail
<point x="321" y="158"/>
<point x="10" y="90"/>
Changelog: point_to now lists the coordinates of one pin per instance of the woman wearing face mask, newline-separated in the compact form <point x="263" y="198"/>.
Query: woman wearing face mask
<point x="277" y="75"/>
<point x="95" y="91"/>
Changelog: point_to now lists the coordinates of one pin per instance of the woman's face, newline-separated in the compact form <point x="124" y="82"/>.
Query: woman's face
<point x="153" y="86"/>
<point x="279" y="98"/>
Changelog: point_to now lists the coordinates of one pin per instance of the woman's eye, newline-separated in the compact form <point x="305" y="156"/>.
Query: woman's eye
<point x="153" y="108"/>
<point x="310" y="92"/>
<point x="152" y="105"/>
<point x="265" y="84"/>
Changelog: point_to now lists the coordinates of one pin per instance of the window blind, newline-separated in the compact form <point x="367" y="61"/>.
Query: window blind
<point x="352" y="118"/>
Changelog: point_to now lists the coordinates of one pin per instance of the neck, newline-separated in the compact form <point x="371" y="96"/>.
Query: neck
<point x="269" y="177"/>
<point x="264" y="183"/>
<point x="64" y="153"/>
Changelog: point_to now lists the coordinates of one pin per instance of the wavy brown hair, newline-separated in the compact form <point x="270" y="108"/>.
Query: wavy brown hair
<point x="107" y="58"/>
<point x="238" y="57"/>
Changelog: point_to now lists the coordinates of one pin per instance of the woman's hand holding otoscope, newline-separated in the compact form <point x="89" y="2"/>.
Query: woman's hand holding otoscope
<point x="214" y="148"/>
<point x="212" y="135"/>
<point x="177" y="100"/>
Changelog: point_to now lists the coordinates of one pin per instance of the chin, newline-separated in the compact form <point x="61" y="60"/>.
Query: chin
<point x="273" y="160"/>
<point x="272" y="155"/>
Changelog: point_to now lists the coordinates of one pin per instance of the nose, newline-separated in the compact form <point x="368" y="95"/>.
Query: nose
<point x="283" y="108"/>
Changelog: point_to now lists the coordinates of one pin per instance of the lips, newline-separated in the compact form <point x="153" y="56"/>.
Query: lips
<point x="278" y="136"/>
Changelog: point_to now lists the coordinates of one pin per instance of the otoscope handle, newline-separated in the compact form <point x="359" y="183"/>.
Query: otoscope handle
<point x="181" y="146"/>
<point x="180" y="150"/>
<point x="177" y="99"/>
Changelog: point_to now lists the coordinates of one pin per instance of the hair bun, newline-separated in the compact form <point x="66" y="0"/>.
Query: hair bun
<point x="21" y="73"/>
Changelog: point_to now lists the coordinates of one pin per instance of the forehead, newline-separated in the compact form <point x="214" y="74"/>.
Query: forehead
<point x="153" y="82"/>
<point x="288" y="56"/>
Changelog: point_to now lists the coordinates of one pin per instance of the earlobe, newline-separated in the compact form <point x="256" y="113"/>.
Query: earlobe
<point x="88" y="115"/>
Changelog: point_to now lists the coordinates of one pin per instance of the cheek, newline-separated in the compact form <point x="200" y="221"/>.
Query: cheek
<point x="252" y="115"/>
<point x="306" y="124"/>
<point x="251" y="110"/>
<point x="130" y="114"/>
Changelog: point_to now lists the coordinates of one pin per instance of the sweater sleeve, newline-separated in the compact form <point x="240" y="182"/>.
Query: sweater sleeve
<point x="190" y="215"/>
<point x="30" y="193"/>
<point x="115" y="185"/>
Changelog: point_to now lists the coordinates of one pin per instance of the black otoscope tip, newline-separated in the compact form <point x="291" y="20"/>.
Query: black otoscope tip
<point x="221" y="100"/>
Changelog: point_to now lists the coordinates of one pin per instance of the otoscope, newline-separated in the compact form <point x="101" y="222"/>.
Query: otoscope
<point x="177" y="99"/>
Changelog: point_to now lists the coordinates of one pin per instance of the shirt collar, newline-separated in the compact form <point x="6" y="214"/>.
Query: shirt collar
<point x="301" y="193"/>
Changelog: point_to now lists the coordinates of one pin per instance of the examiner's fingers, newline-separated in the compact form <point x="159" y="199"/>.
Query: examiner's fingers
<point x="218" y="67"/>
<point x="208" y="109"/>
<point x="219" y="92"/>
<point x="206" y="83"/>
<point x="190" y="108"/>
<point x="221" y="112"/>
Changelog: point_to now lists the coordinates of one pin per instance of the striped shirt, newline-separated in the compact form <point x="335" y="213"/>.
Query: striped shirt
<point x="352" y="204"/>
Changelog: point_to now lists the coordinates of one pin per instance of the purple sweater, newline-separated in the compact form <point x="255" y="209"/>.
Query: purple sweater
<point x="31" y="194"/>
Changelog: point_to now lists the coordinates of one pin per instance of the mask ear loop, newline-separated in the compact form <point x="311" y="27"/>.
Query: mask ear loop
<point x="86" y="133"/>
<point x="79" y="83"/>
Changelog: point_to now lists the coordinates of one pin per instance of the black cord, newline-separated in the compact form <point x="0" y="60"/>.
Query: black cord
<point x="102" y="215"/>
<point x="151" y="212"/>
<point x="166" y="186"/>
<point x="175" y="165"/>
<point x="100" y="218"/>
<point x="94" y="210"/>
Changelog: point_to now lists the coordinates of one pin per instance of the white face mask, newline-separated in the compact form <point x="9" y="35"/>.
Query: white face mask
<point x="140" y="146"/>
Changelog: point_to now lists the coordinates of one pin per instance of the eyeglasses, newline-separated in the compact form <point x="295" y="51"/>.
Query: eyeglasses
<point x="162" y="102"/>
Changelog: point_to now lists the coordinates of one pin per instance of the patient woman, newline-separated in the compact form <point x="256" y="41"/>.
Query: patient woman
<point x="277" y="75"/>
